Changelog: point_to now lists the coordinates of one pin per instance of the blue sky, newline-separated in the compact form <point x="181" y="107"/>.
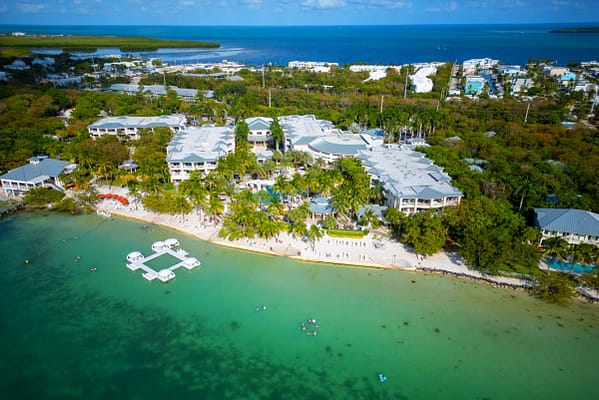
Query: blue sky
<point x="299" y="12"/>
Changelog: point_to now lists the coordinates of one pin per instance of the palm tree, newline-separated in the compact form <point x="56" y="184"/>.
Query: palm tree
<point x="315" y="234"/>
<point x="555" y="247"/>
<point x="215" y="206"/>
<point x="299" y="228"/>
<point x="582" y="253"/>
<point x="275" y="207"/>
<point x="282" y="187"/>
<point x="370" y="219"/>
<point x="276" y="133"/>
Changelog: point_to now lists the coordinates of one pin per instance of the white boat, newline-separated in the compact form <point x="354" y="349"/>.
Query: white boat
<point x="135" y="256"/>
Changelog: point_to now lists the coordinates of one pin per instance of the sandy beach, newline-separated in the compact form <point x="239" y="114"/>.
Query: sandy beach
<point x="369" y="252"/>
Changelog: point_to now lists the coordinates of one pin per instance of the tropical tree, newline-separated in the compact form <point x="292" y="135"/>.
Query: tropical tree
<point x="299" y="228"/>
<point x="394" y="218"/>
<point x="242" y="131"/>
<point x="277" y="133"/>
<point x="315" y="234"/>
<point x="556" y="248"/>
<point x="425" y="232"/>
<point x="329" y="222"/>
<point x="215" y="207"/>
<point x="369" y="219"/>
<point x="553" y="287"/>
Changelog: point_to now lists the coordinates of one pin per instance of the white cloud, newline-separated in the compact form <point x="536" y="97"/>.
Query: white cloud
<point x="443" y="7"/>
<point x="30" y="8"/>
<point x="388" y="3"/>
<point x="252" y="3"/>
<point x="323" y="3"/>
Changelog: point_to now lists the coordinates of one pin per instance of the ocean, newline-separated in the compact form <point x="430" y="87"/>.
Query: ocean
<point x="256" y="45"/>
<point x="69" y="333"/>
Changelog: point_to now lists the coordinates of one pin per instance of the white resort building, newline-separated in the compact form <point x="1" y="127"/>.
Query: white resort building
<point x="40" y="172"/>
<point x="128" y="127"/>
<point x="259" y="134"/>
<point x="411" y="182"/>
<point x="198" y="148"/>
<point x="322" y="140"/>
<point x="314" y="66"/>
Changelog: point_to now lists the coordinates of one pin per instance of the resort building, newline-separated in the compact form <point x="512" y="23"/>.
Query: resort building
<point x="475" y="65"/>
<point x="510" y="70"/>
<point x="322" y="140"/>
<point x="259" y="135"/>
<point x="159" y="90"/>
<point x="421" y="82"/>
<point x="521" y="85"/>
<point x="128" y="127"/>
<point x="314" y="66"/>
<point x="572" y="225"/>
<point x="40" y="172"/>
<point x="411" y="182"/>
<point x="198" y="149"/>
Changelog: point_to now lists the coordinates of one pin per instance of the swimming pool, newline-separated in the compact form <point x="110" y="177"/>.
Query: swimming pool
<point x="566" y="266"/>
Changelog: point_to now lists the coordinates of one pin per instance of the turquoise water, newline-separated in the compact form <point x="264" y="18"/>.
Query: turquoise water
<point x="68" y="333"/>
<point x="566" y="266"/>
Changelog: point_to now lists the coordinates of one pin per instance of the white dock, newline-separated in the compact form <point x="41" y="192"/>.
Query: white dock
<point x="138" y="261"/>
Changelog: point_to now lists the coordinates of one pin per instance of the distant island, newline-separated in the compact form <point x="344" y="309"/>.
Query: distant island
<point x="91" y="43"/>
<point x="576" y="30"/>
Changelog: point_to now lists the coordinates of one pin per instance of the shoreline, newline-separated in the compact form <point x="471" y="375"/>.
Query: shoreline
<point x="342" y="252"/>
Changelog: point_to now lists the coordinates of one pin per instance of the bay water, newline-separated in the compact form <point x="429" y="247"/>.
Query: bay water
<point x="382" y="44"/>
<point x="232" y="329"/>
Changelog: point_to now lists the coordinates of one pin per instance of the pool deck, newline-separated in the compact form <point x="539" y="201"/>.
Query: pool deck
<point x="166" y="274"/>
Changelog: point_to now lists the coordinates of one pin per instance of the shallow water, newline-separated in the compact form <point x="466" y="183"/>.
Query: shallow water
<point x="70" y="333"/>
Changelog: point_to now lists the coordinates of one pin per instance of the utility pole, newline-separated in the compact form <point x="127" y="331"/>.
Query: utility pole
<point x="262" y="76"/>
<point x="526" y="116"/>
<point x="269" y="98"/>
<point x="382" y="101"/>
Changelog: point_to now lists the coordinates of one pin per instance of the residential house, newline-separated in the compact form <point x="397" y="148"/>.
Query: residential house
<point x="40" y="172"/>
<point x="574" y="226"/>
<point x="259" y="132"/>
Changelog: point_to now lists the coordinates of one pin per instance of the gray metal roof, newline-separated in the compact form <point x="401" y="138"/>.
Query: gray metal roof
<point x="199" y="144"/>
<point x="568" y="220"/>
<point x="321" y="205"/>
<point x="405" y="173"/>
<point x="153" y="89"/>
<point x="379" y="211"/>
<point x="46" y="167"/>
<point x="338" y="147"/>
<point x="259" y="123"/>
<point x="123" y="122"/>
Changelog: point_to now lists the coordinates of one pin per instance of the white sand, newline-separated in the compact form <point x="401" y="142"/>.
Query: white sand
<point x="350" y="252"/>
